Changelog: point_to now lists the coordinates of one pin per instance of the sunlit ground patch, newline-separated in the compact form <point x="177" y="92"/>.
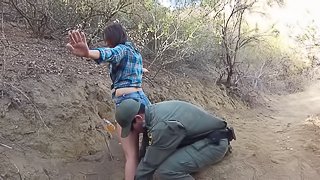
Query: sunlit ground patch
<point x="313" y="120"/>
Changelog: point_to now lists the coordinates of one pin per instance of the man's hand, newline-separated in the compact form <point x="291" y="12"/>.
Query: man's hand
<point x="78" y="44"/>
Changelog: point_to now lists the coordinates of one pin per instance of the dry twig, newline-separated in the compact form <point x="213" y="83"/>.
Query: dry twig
<point x="107" y="142"/>
<point x="6" y="146"/>
<point x="18" y="170"/>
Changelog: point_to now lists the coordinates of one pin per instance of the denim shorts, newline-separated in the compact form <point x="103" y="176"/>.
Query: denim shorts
<point x="138" y="96"/>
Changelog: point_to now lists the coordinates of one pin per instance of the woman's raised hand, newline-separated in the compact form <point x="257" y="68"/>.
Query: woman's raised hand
<point x="78" y="43"/>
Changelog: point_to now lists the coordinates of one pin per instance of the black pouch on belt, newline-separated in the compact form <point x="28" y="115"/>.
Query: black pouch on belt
<point x="227" y="133"/>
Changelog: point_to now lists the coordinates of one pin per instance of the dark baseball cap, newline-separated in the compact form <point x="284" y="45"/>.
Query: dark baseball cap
<point x="125" y="113"/>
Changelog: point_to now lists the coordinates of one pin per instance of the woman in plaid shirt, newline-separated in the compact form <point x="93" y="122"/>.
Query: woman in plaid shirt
<point x="125" y="64"/>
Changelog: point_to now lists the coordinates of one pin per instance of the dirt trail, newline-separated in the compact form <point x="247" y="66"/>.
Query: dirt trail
<point x="281" y="142"/>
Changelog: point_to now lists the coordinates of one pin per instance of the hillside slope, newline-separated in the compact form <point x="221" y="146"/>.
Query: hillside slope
<point x="51" y="102"/>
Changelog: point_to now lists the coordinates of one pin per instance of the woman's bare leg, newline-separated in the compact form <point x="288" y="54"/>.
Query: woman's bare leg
<point x="130" y="146"/>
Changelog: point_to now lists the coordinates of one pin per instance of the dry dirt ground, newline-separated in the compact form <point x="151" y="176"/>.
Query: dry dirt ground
<point x="50" y="103"/>
<point x="279" y="141"/>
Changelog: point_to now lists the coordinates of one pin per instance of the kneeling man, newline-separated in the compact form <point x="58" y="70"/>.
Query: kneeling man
<point x="182" y="137"/>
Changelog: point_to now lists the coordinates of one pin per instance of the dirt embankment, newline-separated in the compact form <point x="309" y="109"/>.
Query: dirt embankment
<point x="50" y="103"/>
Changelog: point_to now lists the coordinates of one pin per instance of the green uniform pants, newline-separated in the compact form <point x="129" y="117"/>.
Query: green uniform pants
<point x="190" y="159"/>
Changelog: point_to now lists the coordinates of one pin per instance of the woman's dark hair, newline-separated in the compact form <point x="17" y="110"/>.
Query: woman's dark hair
<point x="114" y="34"/>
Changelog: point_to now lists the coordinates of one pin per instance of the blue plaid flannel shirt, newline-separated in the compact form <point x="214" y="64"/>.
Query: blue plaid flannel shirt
<point x="128" y="62"/>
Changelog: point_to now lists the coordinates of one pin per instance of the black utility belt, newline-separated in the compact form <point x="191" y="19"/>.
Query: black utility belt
<point x="217" y="135"/>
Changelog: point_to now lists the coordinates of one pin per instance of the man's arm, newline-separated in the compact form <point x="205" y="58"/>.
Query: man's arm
<point x="166" y="137"/>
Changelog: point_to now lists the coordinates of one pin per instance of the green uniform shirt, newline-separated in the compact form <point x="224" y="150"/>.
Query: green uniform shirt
<point x="170" y="124"/>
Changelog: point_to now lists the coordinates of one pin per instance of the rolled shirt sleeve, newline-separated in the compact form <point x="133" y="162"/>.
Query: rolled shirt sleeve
<point x="166" y="137"/>
<point x="113" y="55"/>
